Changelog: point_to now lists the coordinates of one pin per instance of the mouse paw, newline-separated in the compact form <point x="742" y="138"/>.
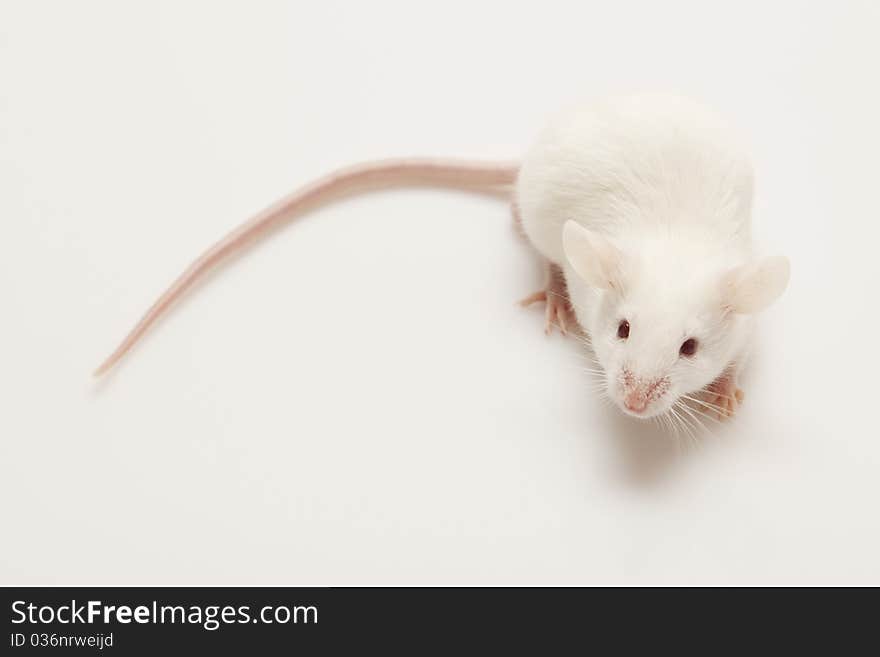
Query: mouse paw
<point x="724" y="397"/>
<point x="557" y="312"/>
<point x="555" y="297"/>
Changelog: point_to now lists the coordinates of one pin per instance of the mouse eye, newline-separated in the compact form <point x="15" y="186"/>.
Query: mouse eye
<point x="623" y="329"/>
<point x="688" y="347"/>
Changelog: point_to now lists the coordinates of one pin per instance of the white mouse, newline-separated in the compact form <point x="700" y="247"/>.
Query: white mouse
<point x="641" y="207"/>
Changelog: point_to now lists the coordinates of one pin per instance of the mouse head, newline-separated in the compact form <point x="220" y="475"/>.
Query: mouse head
<point x="665" y="323"/>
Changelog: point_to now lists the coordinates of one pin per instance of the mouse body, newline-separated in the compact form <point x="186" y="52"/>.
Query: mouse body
<point x="641" y="207"/>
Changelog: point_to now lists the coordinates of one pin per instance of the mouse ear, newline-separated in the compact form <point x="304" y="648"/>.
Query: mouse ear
<point x="751" y="288"/>
<point x="592" y="256"/>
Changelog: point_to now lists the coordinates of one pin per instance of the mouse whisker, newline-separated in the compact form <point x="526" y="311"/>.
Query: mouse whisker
<point x="701" y="401"/>
<point x="675" y="427"/>
<point x="704" y="414"/>
<point x="689" y="432"/>
<point x="566" y="298"/>
<point x="708" y="405"/>
<point x="684" y="441"/>
<point x="671" y="429"/>
<point x="690" y="411"/>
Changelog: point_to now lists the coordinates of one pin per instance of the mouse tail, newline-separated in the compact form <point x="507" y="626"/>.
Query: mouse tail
<point x="446" y="173"/>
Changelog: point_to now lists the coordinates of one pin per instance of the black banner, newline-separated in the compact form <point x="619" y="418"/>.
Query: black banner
<point x="151" y="621"/>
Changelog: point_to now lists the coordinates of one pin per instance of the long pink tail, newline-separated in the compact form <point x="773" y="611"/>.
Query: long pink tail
<point x="451" y="173"/>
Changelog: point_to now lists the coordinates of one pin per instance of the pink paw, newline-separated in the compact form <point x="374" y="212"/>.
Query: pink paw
<point x="557" y="312"/>
<point x="724" y="397"/>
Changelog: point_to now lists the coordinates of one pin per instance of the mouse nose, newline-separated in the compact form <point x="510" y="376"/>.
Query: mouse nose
<point x="636" y="401"/>
<point x="639" y="393"/>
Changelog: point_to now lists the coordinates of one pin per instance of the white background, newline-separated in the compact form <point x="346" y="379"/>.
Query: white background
<point x="358" y="399"/>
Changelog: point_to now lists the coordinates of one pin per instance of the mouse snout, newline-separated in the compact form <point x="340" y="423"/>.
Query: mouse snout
<point x="636" y="401"/>
<point x="639" y="393"/>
